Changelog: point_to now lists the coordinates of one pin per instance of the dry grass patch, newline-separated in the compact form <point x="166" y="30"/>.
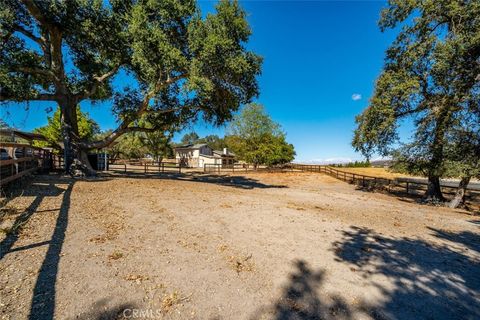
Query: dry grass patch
<point x="171" y="300"/>
<point x="374" y="172"/>
<point x="138" y="278"/>
<point x="241" y="263"/>
<point x="115" y="255"/>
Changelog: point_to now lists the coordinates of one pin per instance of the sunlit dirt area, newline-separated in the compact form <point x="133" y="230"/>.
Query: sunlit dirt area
<point x="242" y="246"/>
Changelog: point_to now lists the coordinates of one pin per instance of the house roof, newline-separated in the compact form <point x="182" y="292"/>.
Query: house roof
<point x="191" y="146"/>
<point x="22" y="134"/>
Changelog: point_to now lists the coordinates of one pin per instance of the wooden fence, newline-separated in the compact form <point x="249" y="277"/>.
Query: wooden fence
<point x="241" y="167"/>
<point x="144" y="168"/>
<point x="17" y="160"/>
<point x="391" y="185"/>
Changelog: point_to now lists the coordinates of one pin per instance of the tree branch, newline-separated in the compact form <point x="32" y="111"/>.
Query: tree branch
<point x="29" y="34"/>
<point x="124" y="127"/>
<point x="161" y="84"/>
<point x="37" y="97"/>
<point x="35" y="12"/>
<point x="37" y="71"/>
<point x="98" y="80"/>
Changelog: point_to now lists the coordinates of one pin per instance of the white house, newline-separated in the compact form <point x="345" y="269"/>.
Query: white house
<point x="197" y="155"/>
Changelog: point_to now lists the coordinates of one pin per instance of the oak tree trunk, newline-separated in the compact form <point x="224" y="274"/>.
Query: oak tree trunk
<point x="75" y="159"/>
<point x="459" y="197"/>
<point x="434" y="191"/>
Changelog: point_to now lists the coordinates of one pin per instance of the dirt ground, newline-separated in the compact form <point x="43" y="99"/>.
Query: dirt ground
<point x="253" y="246"/>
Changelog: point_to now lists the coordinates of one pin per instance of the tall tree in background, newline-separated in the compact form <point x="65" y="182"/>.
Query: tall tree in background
<point x="214" y="142"/>
<point x="190" y="138"/>
<point x="257" y="139"/>
<point x="180" y="65"/>
<point x="87" y="129"/>
<point x="157" y="143"/>
<point x="431" y="75"/>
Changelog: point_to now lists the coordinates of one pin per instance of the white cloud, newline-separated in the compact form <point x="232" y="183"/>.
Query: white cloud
<point x="356" y="96"/>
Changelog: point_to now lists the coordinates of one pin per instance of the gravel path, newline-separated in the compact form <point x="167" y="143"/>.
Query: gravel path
<point x="256" y="246"/>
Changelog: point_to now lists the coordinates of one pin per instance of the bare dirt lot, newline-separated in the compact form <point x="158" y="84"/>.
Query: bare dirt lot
<point x="256" y="246"/>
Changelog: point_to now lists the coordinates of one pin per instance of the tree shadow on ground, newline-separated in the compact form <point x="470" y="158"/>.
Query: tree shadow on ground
<point x="43" y="296"/>
<point x="469" y="239"/>
<point x="102" y="311"/>
<point x="423" y="280"/>
<point x="417" y="196"/>
<point x="301" y="300"/>
<point x="39" y="188"/>
<point x="234" y="181"/>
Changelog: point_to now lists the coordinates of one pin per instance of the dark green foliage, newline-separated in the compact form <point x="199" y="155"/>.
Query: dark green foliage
<point x="190" y="138"/>
<point x="256" y="139"/>
<point x="184" y="66"/>
<point x="213" y="141"/>
<point x="431" y="75"/>
<point x="87" y="129"/>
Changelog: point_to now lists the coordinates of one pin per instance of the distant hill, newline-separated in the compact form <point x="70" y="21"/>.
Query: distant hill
<point x="386" y="163"/>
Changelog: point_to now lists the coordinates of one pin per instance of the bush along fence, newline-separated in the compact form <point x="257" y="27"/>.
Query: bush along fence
<point x="405" y="185"/>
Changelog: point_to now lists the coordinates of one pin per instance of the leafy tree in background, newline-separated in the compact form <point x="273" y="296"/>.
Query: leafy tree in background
<point x="87" y="129"/>
<point x="156" y="143"/>
<point x="431" y="75"/>
<point x="213" y="141"/>
<point x="179" y="64"/>
<point x="257" y="139"/>
<point x="190" y="138"/>
<point x="128" y="146"/>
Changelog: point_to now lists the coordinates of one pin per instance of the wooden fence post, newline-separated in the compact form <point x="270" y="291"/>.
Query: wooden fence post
<point x="407" y="187"/>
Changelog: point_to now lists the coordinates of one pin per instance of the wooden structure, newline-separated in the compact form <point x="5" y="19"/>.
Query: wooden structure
<point x="18" y="159"/>
<point x="145" y="168"/>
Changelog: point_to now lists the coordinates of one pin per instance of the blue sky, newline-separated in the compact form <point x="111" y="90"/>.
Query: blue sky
<point x="321" y="59"/>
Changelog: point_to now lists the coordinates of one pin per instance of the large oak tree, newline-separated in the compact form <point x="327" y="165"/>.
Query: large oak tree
<point x="432" y="78"/>
<point x="178" y="64"/>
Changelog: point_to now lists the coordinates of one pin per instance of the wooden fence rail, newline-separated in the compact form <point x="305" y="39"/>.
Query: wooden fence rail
<point x="17" y="160"/>
<point x="145" y="168"/>
<point x="390" y="185"/>
<point x="241" y="167"/>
